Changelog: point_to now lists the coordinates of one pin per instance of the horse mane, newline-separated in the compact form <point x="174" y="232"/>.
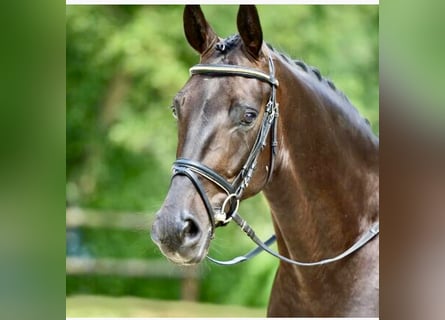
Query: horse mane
<point x="315" y="72"/>
<point x="311" y="70"/>
<point x="232" y="41"/>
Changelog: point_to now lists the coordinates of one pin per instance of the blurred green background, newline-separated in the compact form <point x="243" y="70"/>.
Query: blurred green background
<point x="124" y="64"/>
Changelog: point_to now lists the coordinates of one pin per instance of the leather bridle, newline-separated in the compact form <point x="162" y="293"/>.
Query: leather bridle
<point x="234" y="190"/>
<point x="192" y="169"/>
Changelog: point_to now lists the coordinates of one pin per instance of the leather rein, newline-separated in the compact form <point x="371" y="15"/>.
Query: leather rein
<point x="192" y="169"/>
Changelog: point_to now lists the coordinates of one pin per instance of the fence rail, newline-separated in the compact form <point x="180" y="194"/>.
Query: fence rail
<point x="146" y="268"/>
<point x="128" y="268"/>
<point x="77" y="217"/>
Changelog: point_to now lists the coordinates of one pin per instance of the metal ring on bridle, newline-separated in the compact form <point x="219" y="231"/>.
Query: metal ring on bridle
<point x="223" y="216"/>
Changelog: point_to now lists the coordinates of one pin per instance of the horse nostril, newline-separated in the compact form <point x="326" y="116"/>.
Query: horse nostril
<point x="190" y="229"/>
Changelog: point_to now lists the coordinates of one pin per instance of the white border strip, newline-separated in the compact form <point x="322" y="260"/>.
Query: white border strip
<point x="130" y="2"/>
<point x="312" y="318"/>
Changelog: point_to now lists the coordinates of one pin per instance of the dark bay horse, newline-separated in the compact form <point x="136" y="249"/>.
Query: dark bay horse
<point x="317" y="164"/>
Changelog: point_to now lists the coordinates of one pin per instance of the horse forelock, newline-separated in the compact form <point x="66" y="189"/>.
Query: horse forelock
<point x="228" y="43"/>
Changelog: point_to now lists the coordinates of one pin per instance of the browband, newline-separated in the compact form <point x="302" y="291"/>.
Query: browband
<point x="233" y="70"/>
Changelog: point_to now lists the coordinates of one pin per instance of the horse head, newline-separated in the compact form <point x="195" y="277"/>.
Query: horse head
<point x="220" y="114"/>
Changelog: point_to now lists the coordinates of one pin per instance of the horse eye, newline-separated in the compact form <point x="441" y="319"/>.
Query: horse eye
<point x="249" y="117"/>
<point x="174" y="112"/>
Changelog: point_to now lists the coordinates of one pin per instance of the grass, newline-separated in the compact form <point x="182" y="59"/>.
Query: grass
<point x="80" y="306"/>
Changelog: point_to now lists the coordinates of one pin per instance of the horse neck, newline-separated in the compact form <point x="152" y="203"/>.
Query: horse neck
<point x="324" y="191"/>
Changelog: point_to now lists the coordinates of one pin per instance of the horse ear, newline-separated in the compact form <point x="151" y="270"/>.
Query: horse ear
<point x="249" y="28"/>
<point x="198" y="32"/>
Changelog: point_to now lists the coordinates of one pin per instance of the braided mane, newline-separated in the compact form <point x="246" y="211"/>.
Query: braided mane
<point x="231" y="42"/>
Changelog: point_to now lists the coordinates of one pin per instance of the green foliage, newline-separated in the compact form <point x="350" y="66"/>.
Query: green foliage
<point x="124" y="65"/>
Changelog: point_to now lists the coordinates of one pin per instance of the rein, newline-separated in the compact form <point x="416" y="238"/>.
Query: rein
<point x="192" y="169"/>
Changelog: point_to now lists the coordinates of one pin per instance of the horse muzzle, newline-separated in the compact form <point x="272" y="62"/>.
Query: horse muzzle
<point x="182" y="239"/>
<point x="185" y="224"/>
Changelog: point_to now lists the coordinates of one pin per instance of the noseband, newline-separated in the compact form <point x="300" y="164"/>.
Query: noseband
<point x="234" y="190"/>
<point x="192" y="169"/>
